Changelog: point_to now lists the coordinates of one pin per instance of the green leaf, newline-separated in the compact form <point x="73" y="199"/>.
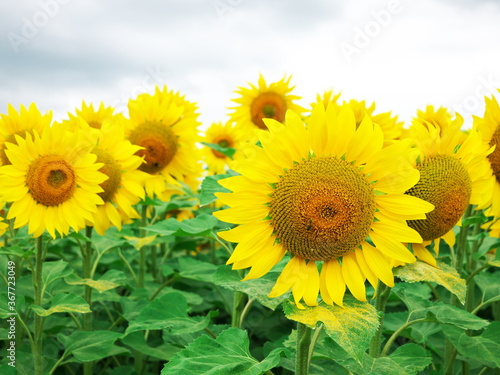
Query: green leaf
<point x="445" y="276"/>
<point x="168" y="311"/>
<point x="16" y="251"/>
<point x="228" y="151"/>
<point x="99" y="285"/>
<point x="408" y="359"/>
<point x="489" y="283"/>
<point x="196" y="269"/>
<point x="201" y="225"/>
<point x="257" y="288"/>
<point x="63" y="302"/>
<point x="447" y="314"/>
<point x="89" y="346"/>
<point x="228" y="354"/>
<point x="209" y="186"/>
<point x="137" y="342"/>
<point x="53" y="271"/>
<point x="484" y="348"/>
<point x="351" y="326"/>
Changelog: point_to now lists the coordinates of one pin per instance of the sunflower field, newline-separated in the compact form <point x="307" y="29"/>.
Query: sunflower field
<point x="326" y="239"/>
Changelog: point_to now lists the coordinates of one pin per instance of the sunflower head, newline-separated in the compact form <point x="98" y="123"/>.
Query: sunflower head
<point x="18" y="124"/>
<point x="440" y="117"/>
<point x="264" y="101"/>
<point x="327" y="193"/>
<point x="94" y="117"/>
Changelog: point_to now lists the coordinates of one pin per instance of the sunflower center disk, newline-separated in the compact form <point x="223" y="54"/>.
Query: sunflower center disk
<point x="445" y="183"/>
<point x="267" y="105"/>
<point x="494" y="157"/>
<point x="110" y="169"/>
<point x="160" y="145"/>
<point x="322" y="208"/>
<point x="51" y="180"/>
<point x="222" y="142"/>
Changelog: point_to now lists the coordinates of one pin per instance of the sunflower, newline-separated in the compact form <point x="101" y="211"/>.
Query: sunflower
<point x="95" y="117"/>
<point x="52" y="181"/>
<point x="453" y="174"/>
<point x="3" y="224"/>
<point x="489" y="128"/>
<point x="264" y="101"/>
<point x="19" y="124"/>
<point x="440" y="117"/>
<point x="326" y="98"/>
<point x="329" y="194"/>
<point x="125" y="184"/>
<point x="165" y="126"/>
<point x="228" y="135"/>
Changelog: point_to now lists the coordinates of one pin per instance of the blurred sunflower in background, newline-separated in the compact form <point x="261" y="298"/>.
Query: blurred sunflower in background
<point x="52" y="181"/>
<point x="227" y="136"/>
<point x="328" y="193"/>
<point x="262" y="101"/>
<point x="19" y="124"/>
<point x="454" y="173"/>
<point x="164" y="125"/>
<point x="95" y="118"/>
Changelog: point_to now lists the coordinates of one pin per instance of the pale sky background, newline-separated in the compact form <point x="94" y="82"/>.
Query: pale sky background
<point x="404" y="54"/>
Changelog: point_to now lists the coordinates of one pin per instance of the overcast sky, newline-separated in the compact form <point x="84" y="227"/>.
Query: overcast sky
<point x="402" y="54"/>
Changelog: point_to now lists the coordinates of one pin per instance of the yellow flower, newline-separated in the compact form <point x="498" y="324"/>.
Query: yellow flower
<point x="165" y="126"/>
<point x="20" y="123"/>
<point x="3" y="225"/>
<point x="440" y="117"/>
<point x="227" y="135"/>
<point x="319" y="193"/>
<point x="95" y="118"/>
<point x="489" y="128"/>
<point x="52" y="182"/>
<point x="264" y="101"/>
<point x="453" y="174"/>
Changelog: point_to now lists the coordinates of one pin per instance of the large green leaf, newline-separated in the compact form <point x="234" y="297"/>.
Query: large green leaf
<point x="351" y="326"/>
<point x="258" y="288"/>
<point x="484" y="348"/>
<point x="209" y="186"/>
<point x="409" y="359"/>
<point x="228" y="354"/>
<point x="445" y="276"/>
<point x="201" y="225"/>
<point x="63" y="302"/>
<point x="196" y="269"/>
<point x="168" y="311"/>
<point x="447" y="314"/>
<point x="53" y="271"/>
<point x="137" y="342"/>
<point x="89" y="346"/>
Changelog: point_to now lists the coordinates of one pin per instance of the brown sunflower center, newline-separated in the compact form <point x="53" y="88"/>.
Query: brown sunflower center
<point x="51" y="180"/>
<point x="444" y="182"/>
<point x="267" y="105"/>
<point x="222" y="141"/>
<point x="160" y="145"/>
<point x="11" y="139"/>
<point x="95" y="124"/>
<point x="111" y="169"/>
<point x="494" y="157"/>
<point x="322" y="208"/>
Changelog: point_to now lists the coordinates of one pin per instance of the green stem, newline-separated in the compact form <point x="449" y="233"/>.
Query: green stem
<point x="142" y="251"/>
<point x="87" y="274"/>
<point x="396" y="334"/>
<point x="314" y="340"/>
<point x="303" y="344"/>
<point x="238" y="306"/>
<point x="38" y="289"/>
<point x="483" y="304"/>
<point x="383" y="292"/>
<point x="245" y="311"/>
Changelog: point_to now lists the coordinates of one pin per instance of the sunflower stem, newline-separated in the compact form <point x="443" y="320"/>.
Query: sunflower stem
<point x="140" y="279"/>
<point x="303" y="345"/>
<point x="383" y="292"/>
<point x="87" y="271"/>
<point x="38" y="289"/>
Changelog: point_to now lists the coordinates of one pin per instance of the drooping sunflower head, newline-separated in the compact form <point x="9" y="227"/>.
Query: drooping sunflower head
<point x="19" y="124"/>
<point x="52" y="181"/>
<point x="167" y="135"/>
<point x="264" y="101"/>
<point x="489" y="128"/>
<point x="328" y="193"/>
<point x="453" y="174"/>
<point x="94" y="117"/>
<point x="227" y="136"/>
